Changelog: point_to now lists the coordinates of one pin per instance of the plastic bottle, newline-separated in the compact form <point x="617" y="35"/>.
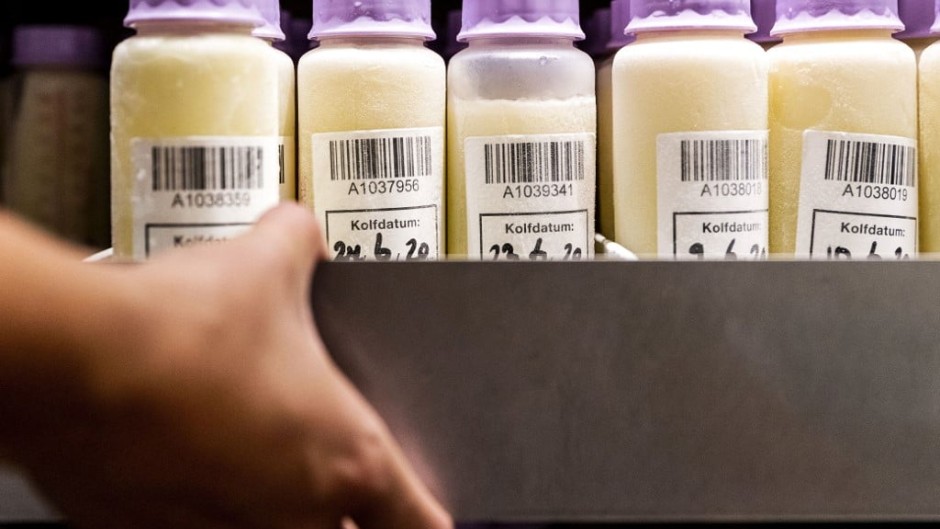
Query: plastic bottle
<point x="56" y="168"/>
<point x="843" y="132"/>
<point x="272" y="33"/>
<point x="194" y="125"/>
<point x="372" y="117"/>
<point x="764" y="13"/>
<point x="522" y="134"/>
<point x="918" y="17"/>
<point x="690" y="132"/>
<point x="929" y="138"/>
<point x="619" y="18"/>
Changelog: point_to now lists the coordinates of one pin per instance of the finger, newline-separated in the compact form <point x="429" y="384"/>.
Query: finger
<point x="406" y="503"/>
<point x="292" y="229"/>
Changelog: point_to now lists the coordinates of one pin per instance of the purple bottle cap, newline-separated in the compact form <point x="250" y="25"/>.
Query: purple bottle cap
<point x="765" y="16"/>
<point x="797" y="16"/>
<point x="376" y="18"/>
<point x="521" y="18"/>
<point x="234" y="12"/>
<point x="271" y="11"/>
<point x="598" y="33"/>
<point x="918" y="17"/>
<point x="58" y="46"/>
<point x="619" y="19"/>
<point x="670" y="15"/>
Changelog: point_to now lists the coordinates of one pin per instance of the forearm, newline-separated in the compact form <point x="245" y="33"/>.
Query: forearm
<point x="57" y="316"/>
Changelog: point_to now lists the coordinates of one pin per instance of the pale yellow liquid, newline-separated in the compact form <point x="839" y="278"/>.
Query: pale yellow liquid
<point x="56" y="172"/>
<point x="929" y="153"/>
<point x="605" y="149"/>
<point x="668" y="83"/>
<point x="177" y="86"/>
<point x="860" y="82"/>
<point x="484" y="118"/>
<point x="287" y="99"/>
<point x="381" y="84"/>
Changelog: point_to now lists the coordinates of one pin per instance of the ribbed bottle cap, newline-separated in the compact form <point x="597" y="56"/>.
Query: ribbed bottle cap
<point x="390" y="18"/>
<point x="918" y="17"/>
<point x="271" y="11"/>
<point x="598" y="33"/>
<point x="765" y="16"/>
<point x="619" y="19"/>
<point x="935" y="29"/>
<point x="521" y="18"/>
<point x="797" y="16"/>
<point x="670" y="15"/>
<point x="235" y="12"/>
<point x="77" y="46"/>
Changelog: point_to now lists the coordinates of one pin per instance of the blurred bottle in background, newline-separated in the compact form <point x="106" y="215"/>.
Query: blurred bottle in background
<point x="55" y="171"/>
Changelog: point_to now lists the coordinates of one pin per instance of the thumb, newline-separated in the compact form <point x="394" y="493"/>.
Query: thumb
<point x="290" y="230"/>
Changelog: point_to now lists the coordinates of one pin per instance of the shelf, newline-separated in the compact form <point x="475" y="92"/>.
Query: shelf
<point x="653" y="391"/>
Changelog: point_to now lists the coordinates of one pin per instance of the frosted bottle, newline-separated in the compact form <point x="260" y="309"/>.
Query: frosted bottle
<point x="194" y="126"/>
<point x="929" y="140"/>
<point x="843" y="132"/>
<point x="56" y="170"/>
<point x="690" y="133"/>
<point x="521" y="134"/>
<point x="918" y="17"/>
<point x="272" y="33"/>
<point x="619" y="18"/>
<point x="372" y="117"/>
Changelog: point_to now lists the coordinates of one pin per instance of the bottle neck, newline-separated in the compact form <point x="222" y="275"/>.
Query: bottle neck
<point x="520" y="41"/>
<point x="367" y="40"/>
<point x="696" y="33"/>
<point x="176" y="28"/>
<point x="838" y="34"/>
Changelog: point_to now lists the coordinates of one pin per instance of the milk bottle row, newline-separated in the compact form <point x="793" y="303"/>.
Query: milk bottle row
<point x="708" y="146"/>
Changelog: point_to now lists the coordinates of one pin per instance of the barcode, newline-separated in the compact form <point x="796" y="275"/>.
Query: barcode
<point x="207" y="168"/>
<point x="723" y="160"/>
<point x="380" y="158"/>
<point x="871" y="163"/>
<point x="281" y="159"/>
<point x="534" y="162"/>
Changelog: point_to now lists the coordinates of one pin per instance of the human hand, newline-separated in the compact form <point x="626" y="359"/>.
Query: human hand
<point x="213" y="403"/>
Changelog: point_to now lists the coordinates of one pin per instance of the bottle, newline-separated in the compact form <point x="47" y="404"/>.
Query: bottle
<point x="619" y="18"/>
<point x="843" y="130"/>
<point x="929" y="137"/>
<point x="272" y="34"/>
<point x="194" y="126"/>
<point x="918" y="17"/>
<point x="690" y="132"/>
<point x="765" y="15"/>
<point x="372" y="118"/>
<point x="521" y="134"/>
<point x="56" y="168"/>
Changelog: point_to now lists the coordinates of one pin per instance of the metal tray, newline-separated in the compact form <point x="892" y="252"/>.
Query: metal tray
<point x="636" y="392"/>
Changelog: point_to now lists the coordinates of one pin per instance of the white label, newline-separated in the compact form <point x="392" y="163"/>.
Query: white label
<point x="200" y="190"/>
<point x="380" y="193"/>
<point x="531" y="197"/>
<point x="713" y="195"/>
<point x="858" y="197"/>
